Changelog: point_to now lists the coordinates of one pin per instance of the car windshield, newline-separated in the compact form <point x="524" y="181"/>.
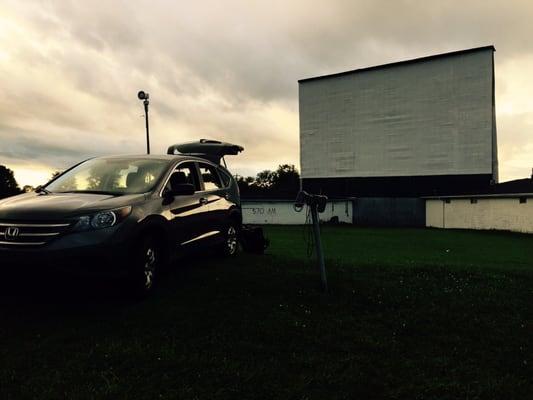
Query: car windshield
<point x="111" y="176"/>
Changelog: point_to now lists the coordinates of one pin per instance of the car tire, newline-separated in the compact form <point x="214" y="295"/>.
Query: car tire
<point x="230" y="247"/>
<point x="146" y="265"/>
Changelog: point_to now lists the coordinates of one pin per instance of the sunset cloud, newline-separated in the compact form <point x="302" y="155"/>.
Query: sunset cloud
<point x="225" y="70"/>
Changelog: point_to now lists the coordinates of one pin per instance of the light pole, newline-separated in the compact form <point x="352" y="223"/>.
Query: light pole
<point x="145" y="96"/>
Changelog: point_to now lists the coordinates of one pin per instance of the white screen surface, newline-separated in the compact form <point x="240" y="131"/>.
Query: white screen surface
<point x="427" y="117"/>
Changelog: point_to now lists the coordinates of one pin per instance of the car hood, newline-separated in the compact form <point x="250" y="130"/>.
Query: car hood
<point x="61" y="205"/>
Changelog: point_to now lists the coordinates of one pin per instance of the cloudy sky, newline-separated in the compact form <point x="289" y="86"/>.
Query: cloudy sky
<point x="70" y="71"/>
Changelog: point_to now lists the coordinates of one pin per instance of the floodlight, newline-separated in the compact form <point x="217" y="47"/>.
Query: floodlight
<point x="142" y="95"/>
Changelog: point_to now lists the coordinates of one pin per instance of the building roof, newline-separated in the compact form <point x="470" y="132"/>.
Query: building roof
<point x="515" y="188"/>
<point x="411" y="61"/>
<point x="524" y="185"/>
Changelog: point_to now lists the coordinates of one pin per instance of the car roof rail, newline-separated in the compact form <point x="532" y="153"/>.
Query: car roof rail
<point x="212" y="150"/>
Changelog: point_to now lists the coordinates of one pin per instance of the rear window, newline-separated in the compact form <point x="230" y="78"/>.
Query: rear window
<point x="224" y="176"/>
<point x="210" y="177"/>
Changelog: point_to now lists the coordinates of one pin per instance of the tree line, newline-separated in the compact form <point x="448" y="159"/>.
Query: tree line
<point x="283" y="183"/>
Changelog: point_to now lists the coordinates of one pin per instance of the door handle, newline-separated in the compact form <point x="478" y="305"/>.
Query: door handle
<point x="203" y="200"/>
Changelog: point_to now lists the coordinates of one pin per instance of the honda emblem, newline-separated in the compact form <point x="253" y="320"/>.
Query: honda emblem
<point x="12" y="232"/>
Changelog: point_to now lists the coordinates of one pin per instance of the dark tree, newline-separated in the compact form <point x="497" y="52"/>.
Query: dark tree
<point x="8" y="183"/>
<point x="283" y="183"/>
<point x="244" y="183"/>
<point x="286" y="179"/>
<point x="265" y="179"/>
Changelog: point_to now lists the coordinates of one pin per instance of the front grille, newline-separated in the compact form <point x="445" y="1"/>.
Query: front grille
<point x="28" y="234"/>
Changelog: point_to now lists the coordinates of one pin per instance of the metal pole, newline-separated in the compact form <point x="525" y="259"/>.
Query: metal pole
<point x="146" y="102"/>
<point x="318" y="246"/>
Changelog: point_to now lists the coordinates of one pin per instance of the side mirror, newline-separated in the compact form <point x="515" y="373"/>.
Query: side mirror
<point x="183" y="189"/>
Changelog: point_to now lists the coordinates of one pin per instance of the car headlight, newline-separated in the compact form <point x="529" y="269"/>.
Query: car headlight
<point x="102" y="219"/>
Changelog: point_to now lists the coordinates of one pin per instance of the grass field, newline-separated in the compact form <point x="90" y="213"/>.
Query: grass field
<point x="411" y="314"/>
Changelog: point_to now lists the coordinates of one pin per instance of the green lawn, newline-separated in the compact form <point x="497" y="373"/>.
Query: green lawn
<point x="411" y="314"/>
<point x="412" y="247"/>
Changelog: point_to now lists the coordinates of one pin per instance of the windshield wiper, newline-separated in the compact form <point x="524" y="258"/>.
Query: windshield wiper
<point x="42" y="189"/>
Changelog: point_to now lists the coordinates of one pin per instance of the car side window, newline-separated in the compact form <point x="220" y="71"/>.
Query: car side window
<point x="184" y="173"/>
<point x="210" y="177"/>
<point x="226" y="179"/>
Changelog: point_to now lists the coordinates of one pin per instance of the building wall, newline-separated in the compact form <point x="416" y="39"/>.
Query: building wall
<point x="379" y="211"/>
<point x="399" y="186"/>
<point x="282" y="212"/>
<point x="487" y="213"/>
<point x="434" y="213"/>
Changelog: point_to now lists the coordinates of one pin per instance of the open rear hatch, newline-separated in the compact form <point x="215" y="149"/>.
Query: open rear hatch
<point x="213" y="150"/>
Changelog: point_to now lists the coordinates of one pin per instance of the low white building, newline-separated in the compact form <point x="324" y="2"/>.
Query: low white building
<point x="282" y="212"/>
<point x="509" y="212"/>
<point x="506" y="212"/>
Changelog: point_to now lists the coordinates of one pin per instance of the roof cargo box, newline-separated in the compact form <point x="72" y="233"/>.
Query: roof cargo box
<point x="212" y="150"/>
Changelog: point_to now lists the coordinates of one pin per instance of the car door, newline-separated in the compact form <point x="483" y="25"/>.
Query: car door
<point x="187" y="213"/>
<point x="215" y="194"/>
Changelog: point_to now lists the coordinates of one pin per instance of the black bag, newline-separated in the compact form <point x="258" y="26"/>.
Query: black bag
<point x="253" y="239"/>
